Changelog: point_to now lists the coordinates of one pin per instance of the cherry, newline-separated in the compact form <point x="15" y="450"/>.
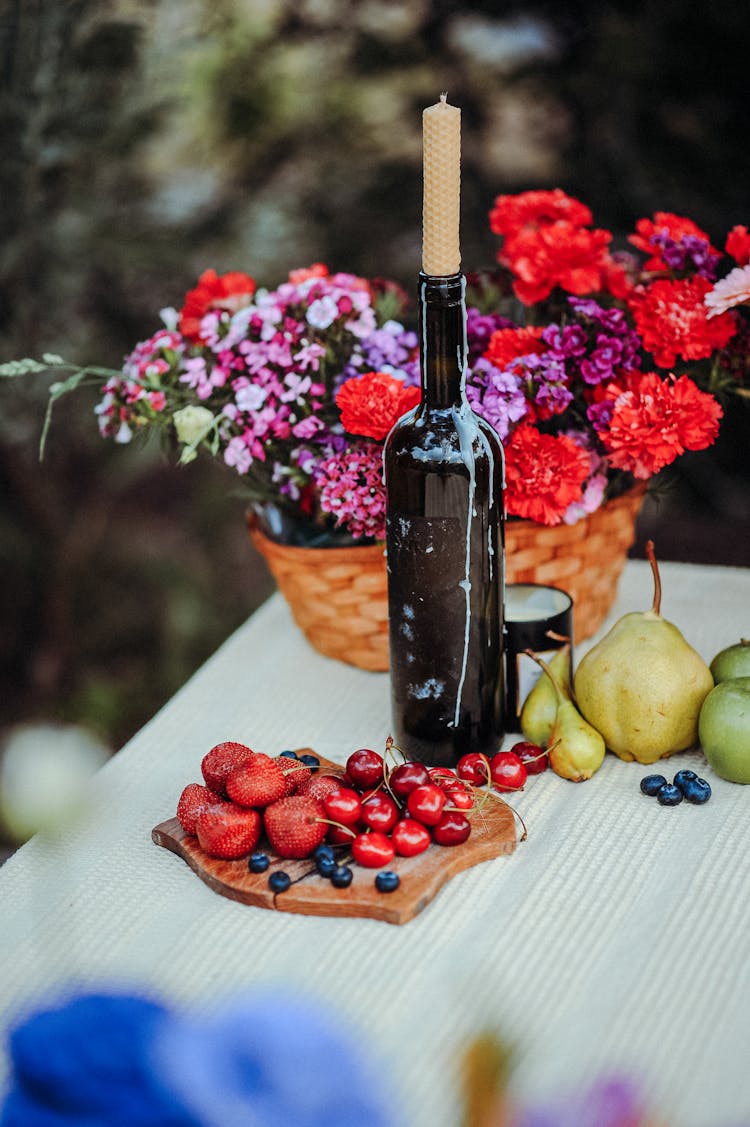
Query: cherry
<point x="443" y="776"/>
<point x="410" y="837"/>
<point x="373" y="850"/>
<point x="404" y="778"/>
<point x="339" y="835"/>
<point x="426" y="803"/>
<point x="453" y="828"/>
<point x="343" y="805"/>
<point x="507" y="771"/>
<point x="533" y="757"/>
<point x="379" y="812"/>
<point x="364" y="768"/>
<point x="472" y="768"/>
<point x="460" y="797"/>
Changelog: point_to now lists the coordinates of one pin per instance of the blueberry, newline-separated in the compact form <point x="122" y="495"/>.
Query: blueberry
<point x="258" y="863"/>
<point x="289" y="754"/>
<point x="697" y="791"/>
<point x="341" y="877"/>
<point x="326" y="865"/>
<point x="650" y="784"/>
<point x="310" y="761"/>
<point x="669" y="795"/>
<point x="683" y="777"/>
<point x="324" y="851"/>
<point x="387" y="881"/>
<point x="279" y="881"/>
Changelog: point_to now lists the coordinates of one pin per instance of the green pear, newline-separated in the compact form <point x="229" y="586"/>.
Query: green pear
<point x="540" y="706"/>
<point x="734" y="661"/>
<point x="724" y="729"/>
<point x="576" y="750"/>
<point x="642" y="685"/>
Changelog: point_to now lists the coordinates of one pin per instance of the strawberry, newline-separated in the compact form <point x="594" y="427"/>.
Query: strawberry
<point x="257" y="782"/>
<point x="295" y="773"/>
<point x="228" y="831"/>
<point x="220" y="761"/>
<point x="293" y="825"/>
<point x="319" y="786"/>
<point x="193" y="801"/>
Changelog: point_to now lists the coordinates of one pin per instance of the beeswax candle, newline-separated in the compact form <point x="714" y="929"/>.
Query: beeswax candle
<point x="441" y="136"/>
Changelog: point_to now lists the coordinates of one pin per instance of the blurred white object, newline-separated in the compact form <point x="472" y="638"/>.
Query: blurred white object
<point x="44" y="770"/>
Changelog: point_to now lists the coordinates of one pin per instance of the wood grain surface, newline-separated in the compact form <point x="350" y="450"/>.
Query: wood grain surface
<point x="493" y="834"/>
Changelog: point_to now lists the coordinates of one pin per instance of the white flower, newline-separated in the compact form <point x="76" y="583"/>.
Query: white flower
<point x="730" y="291"/>
<point x="322" y="312"/>
<point x="191" y="423"/>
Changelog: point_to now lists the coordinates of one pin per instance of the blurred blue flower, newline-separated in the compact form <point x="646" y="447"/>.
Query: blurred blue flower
<point x="89" y="1061"/>
<point x="114" y="1060"/>
<point x="268" y="1061"/>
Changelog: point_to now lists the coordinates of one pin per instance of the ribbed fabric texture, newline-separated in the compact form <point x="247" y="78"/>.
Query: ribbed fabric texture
<point x="615" y="938"/>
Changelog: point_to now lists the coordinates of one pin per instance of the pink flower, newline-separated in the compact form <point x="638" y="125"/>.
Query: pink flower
<point x="351" y="489"/>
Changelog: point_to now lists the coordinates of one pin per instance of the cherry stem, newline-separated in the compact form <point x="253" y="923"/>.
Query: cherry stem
<point x="651" y="557"/>
<point x="338" y="825"/>
<point x="525" y="833"/>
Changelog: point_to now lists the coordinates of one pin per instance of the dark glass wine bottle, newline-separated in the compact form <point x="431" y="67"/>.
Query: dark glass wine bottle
<point x="444" y="537"/>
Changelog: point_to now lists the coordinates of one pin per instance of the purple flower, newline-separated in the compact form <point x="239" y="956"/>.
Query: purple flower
<point x="688" y="251"/>
<point x="479" y="329"/>
<point x="497" y="396"/>
<point x="612" y="1102"/>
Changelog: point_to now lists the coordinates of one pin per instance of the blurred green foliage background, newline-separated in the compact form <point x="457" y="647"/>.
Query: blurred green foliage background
<point x="146" y="140"/>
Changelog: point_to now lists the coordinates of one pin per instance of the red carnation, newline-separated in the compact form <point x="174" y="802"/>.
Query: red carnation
<point x="738" y="245"/>
<point x="559" y="254"/>
<point x="229" y="292"/>
<point x="317" y="270"/>
<point x="654" y="422"/>
<point x="506" y="345"/>
<point x="370" y="404"/>
<point x="672" y="320"/>
<point x="513" y="214"/>
<point x="544" y="474"/>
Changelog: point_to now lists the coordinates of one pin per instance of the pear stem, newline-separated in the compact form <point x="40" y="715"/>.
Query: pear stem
<point x="548" y="671"/>
<point x="651" y="557"/>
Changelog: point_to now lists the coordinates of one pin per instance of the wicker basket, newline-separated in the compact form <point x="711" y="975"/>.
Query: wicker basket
<point x="338" y="596"/>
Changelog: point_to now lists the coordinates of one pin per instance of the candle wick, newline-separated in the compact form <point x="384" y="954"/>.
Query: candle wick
<point x="444" y="96"/>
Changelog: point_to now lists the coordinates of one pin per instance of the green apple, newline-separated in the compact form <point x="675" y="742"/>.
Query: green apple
<point x="724" y="729"/>
<point x="734" y="661"/>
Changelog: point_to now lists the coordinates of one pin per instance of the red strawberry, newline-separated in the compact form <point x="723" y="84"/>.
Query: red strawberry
<point x="319" y="786"/>
<point x="257" y="782"/>
<point x="228" y="831"/>
<point x="295" y="773"/>
<point x="293" y="825"/>
<point x="220" y="761"/>
<point x="193" y="801"/>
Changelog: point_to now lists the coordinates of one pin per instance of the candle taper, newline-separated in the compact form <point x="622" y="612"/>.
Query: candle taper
<point x="441" y="135"/>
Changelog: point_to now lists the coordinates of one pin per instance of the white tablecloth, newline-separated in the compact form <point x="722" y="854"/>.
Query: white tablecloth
<point x="615" y="938"/>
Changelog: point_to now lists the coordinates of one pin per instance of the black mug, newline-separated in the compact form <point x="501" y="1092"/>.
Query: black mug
<point x="537" y="618"/>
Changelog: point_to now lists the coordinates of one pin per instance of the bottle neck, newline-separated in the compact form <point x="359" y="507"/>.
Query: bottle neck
<point x="442" y="334"/>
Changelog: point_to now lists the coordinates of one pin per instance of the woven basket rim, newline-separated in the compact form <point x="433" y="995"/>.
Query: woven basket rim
<point x="353" y="553"/>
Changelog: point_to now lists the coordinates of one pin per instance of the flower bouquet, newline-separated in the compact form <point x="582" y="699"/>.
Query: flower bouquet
<point x="597" y="368"/>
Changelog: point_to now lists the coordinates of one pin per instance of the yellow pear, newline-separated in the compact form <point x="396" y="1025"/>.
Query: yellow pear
<point x="540" y="707"/>
<point x="642" y="685"/>
<point x="576" y="750"/>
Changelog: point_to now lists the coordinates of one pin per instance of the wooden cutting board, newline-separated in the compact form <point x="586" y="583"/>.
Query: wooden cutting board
<point x="493" y="834"/>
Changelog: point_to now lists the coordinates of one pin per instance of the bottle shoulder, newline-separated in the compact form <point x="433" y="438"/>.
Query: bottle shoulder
<point x="444" y="434"/>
